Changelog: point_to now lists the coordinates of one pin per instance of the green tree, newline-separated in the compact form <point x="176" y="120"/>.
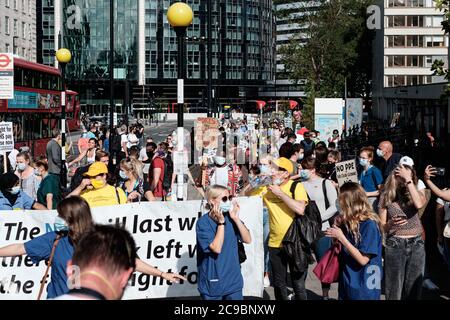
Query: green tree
<point x="333" y="47"/>
<point x="438" y="65"/>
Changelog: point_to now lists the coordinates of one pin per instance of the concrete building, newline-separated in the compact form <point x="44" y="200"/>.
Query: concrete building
<point x="410" y="40"/>
<point x="18" y="28"/>
<point x="288" y="26"/>
<point x="146" y="51"/>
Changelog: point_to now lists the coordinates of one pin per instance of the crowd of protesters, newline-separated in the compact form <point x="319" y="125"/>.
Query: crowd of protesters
<point x="376" y="223"/>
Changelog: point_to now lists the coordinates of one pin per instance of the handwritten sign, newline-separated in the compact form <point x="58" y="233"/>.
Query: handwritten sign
<point x="6" y="137"/>
<point x="346" y="172"/>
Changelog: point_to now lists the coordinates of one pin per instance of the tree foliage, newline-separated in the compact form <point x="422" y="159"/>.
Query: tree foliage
<point x="333" y="46"/>
<point x="438" y="66"/>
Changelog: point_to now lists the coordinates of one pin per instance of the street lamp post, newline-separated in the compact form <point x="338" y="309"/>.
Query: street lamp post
<point x="63" y="56"/>
<point x="180" y="16"/>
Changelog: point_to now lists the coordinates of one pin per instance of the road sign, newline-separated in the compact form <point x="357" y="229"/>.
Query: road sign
<point x="115" y="119"/>
<point x="6" y="76"/>
<point x="346" y="172"/>
<point x="6" y="137"/>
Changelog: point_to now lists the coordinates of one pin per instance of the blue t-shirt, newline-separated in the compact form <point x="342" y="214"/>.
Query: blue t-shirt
<point x="218" y="274"/>
<point x="362" y="282"/>
<point x="40" y="248"/>
<point x="23" y="202"/>
<point x="368" y="178"/>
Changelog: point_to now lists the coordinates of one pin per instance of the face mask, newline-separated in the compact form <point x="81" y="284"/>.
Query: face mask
<point x="15" y="190"/>
<point x="60" y="224"/>
<point x="21" y="166"/>
<point x="278" y="181"/>
<point x="335" y="135"/>
<point x="225" y="206"/>
<point x="220" y="161"/>
<point x="97" y="184"/>
<point x="363" y="162"/>
<point x="37" y="173"/>
<point x="301" y="156"/>
<point x="305" y="174"/>
<point x="265" y="170"/>
<point x="380" y="153"/>
<point x="122" y="175"/>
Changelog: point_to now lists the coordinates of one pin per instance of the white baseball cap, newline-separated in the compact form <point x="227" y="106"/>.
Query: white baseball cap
<point x="407" y="161"/>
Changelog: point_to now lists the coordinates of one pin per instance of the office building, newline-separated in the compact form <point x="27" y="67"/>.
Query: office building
<point x="146" y="50"/>
<point x="18" y="28"/>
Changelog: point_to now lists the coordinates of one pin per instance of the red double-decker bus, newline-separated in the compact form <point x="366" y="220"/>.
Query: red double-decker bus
<point x="36" y="108"/>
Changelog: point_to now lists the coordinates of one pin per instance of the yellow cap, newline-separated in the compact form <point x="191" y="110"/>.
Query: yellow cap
<point x="96" y="169"/>
<point x="285" y="164"/>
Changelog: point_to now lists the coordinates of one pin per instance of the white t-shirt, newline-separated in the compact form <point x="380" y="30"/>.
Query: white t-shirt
<point x="123" y="139"/>
<point x="446" y="205"/>
<point x="143" y="154"/>
<point x="220" y="177"/>
<point x="420" y="185"/>
<point x="132" y="140"/>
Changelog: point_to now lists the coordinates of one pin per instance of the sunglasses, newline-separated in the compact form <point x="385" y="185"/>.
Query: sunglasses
<point x="225" y="199"/>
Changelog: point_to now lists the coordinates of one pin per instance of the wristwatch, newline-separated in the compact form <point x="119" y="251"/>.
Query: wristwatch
<point x="221" y="223"/>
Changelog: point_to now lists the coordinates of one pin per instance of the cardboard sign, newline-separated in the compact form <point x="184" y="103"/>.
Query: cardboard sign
<point x="6" y="137"/>
<point x="346" y="172"/>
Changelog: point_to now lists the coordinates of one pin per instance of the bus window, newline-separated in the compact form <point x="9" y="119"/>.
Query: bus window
<point x="27" y="78"/>
<point x="18" y="77"/>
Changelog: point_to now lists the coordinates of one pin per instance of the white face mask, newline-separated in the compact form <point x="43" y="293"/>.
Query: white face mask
<point x="21" y="166"/>
<point x="15" y="190"/>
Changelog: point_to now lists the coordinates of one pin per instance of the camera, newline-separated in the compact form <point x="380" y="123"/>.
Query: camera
<point x="440" y="171"/>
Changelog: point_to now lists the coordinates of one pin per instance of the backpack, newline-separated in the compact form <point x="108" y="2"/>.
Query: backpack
<point x="168" y="171"/>
<point x="311" y="221"/>
<point x="116" y="142"/>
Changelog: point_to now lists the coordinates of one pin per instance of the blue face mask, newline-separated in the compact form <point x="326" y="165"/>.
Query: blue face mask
<point x="305" y="174"/>
<point x="225" y="206"/>
<point x="363" y="162"/>
<point x="122" y="175"/>
<point x="265" y="170"/>
<point x="301" y="156"/>
<point x="15" y="190"/>
<point x="278" y="182"/>
<point x="21" y="166"/>
<point x="60" y="224"/>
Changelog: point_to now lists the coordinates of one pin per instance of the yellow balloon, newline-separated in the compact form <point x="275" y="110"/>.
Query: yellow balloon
<point x="180" y="15"/>
<point x="63" y="55"/>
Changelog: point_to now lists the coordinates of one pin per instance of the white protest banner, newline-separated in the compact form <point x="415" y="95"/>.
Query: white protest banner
<point x="6" y="137"/>
<point x="165" y="236"/>
<point x="346" y="172"/>
<point x="6" y="76"/>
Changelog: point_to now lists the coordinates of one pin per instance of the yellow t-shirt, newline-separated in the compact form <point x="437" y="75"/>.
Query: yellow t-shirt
<point x="280" y="215"/>
<point x="106" y="196"/>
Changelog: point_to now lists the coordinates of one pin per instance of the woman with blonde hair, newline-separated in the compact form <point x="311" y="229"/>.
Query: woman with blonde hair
<point x="404" y="247"/>
<point x="131" y="179"/>
<point x="360" y="235"/>
<point x="218" y="232"/>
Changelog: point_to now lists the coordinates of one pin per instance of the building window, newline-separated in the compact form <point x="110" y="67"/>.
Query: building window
<point x="7" y="26"/>
<point x="7" y="4"/>
<point x="24" y="30"/>
<point x="16" y="27"/>
<point x="16" y="5"/>
<point x="8" y="47"/>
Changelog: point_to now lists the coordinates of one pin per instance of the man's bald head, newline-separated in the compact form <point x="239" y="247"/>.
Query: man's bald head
<point x="387" y="148"/>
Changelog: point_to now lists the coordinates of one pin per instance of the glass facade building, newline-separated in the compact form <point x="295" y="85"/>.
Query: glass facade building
<point x="243" y="48"/>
